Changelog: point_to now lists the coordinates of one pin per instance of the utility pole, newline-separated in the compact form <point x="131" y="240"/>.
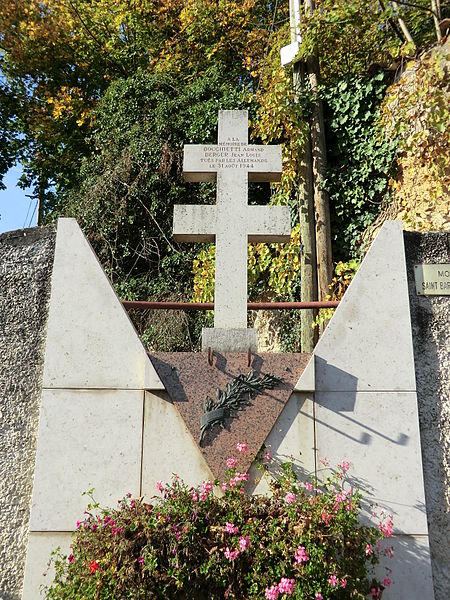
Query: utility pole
<point x="305" y="197"/>
<point x="319" y="157"/>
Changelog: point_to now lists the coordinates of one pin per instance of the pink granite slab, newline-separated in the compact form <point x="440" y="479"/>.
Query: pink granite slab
<point x="189" y="379"/>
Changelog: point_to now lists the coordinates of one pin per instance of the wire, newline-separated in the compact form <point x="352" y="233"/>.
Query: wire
<point x="268" y="44"/>
<point x="28" y="212"/>
<point x="34" y="211"/>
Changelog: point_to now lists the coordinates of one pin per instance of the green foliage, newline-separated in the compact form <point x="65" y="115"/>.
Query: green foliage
<point x="9" y="142"/>
<point x="424" y="102"/>
<point x="348" y="37"/>
<point x="344" y="273"/>
<point x="303" y="541"/>
<point x="130" y="182"/>
<point x="361" y="160"/>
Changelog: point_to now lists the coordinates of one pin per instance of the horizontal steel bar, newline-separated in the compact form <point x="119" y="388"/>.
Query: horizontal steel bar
<point x="142" y="305"/>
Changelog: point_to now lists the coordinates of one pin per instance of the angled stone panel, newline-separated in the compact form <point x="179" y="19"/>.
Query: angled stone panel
<point x="367" y="345"/>
<point x="291" y="438"/>
<point x="378" y="434"/>
<point x="411" y="569"/>
<point x="87" y="439"/>
<point x="168" y="447"/>
<point x="91" y="342"/>
<point x="307" y="381"/>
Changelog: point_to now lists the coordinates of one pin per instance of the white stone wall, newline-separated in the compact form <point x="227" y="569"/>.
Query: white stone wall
<point x="357" y="401"/>
<point x="103" y="423"/>
<point x="26" y="259"/>
<point x="106" y="422"/>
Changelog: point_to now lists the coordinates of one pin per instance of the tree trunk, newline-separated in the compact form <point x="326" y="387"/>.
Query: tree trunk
<point x="305" y="208"/>
<point x="403" y="26"/>
<point x="321" y="201"/>
<point x="307" y="233"/>
<point x="436" y="8"/>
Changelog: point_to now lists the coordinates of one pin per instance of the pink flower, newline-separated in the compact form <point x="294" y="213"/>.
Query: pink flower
<point x="369" y="549"/>
<point x="272" y="592"/>
<point x="203" y="496"/>
<point x="160" y="486"/>
<point x="231" y="554"/>
<point x="267" y="455"/>
<point x="224" y="486"/>
<point x="231" y="462"/>
<point x="340" y="497"/>
<point x="386" y="528"/>
<point x="207" y="487"/>
<point x="71" y="558"/>
<point x="387" y="582"/>
<point x="286" y="586"/>
<point x="241" y="447"/>
<point x="343" y="582"/>
<point x="301" y="555"/>
<point x="244" y="543"/>
<point x="194" y="495"/>
<point x="324" y="461"/>
<point x="318" y="596"/>
<point x="140" y="560"/>
<point x="333" y="580"/>
<point x="375" y="593"/>
<point x="230" y="528"/>
<point x="344" y="465"/>
<point x="308" y="486"/>
<point x="326" y="518"/>
<point x="290" y="497"/>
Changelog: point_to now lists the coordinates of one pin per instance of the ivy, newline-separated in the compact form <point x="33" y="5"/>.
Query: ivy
<point x="361" y="160"/>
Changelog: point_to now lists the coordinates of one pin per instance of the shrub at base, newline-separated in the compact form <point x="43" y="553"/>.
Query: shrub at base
<point x="303" y="542"/>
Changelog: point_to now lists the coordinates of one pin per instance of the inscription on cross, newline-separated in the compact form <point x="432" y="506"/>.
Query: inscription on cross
<point x="231" y="222"/>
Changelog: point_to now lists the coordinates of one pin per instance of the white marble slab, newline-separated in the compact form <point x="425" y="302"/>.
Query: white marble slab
<point x="367" y="345"/>
<point x="291" y="439"/>
<point x="411" y="569"/>
<point x="38" y="572"/>
<point x="307" y="381"/>
<point x="378" y="434"/>
<point x="169" y="447"/>
<point x="87" y="439"/>
<point x="91" y="343"/>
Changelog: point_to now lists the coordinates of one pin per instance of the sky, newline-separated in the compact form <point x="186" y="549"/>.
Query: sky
<point x="16" y="210"/>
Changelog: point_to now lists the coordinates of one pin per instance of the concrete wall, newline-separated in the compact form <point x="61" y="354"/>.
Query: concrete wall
<point x="26" y="259"/>
<point x="430" y="317"/>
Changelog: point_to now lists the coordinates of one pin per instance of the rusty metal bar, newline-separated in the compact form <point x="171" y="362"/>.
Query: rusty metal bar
<point x="142" y="305"/>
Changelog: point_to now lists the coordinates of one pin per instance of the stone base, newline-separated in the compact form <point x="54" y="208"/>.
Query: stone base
<point x="229" y="340"/>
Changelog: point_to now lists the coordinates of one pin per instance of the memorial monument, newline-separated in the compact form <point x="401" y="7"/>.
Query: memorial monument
<point x="231" y="223"/>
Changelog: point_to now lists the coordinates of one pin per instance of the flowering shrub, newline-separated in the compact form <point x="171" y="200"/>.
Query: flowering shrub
<point x="303" y="542"/>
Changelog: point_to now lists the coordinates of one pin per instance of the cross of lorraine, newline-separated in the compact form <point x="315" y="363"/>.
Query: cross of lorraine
<point x="231" y="223"/>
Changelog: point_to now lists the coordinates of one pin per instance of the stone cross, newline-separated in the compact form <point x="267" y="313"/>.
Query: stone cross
<point x="231" y="222"/>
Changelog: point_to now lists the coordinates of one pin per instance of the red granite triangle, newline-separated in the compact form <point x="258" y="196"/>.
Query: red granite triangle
<point x="189" y="379"/>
